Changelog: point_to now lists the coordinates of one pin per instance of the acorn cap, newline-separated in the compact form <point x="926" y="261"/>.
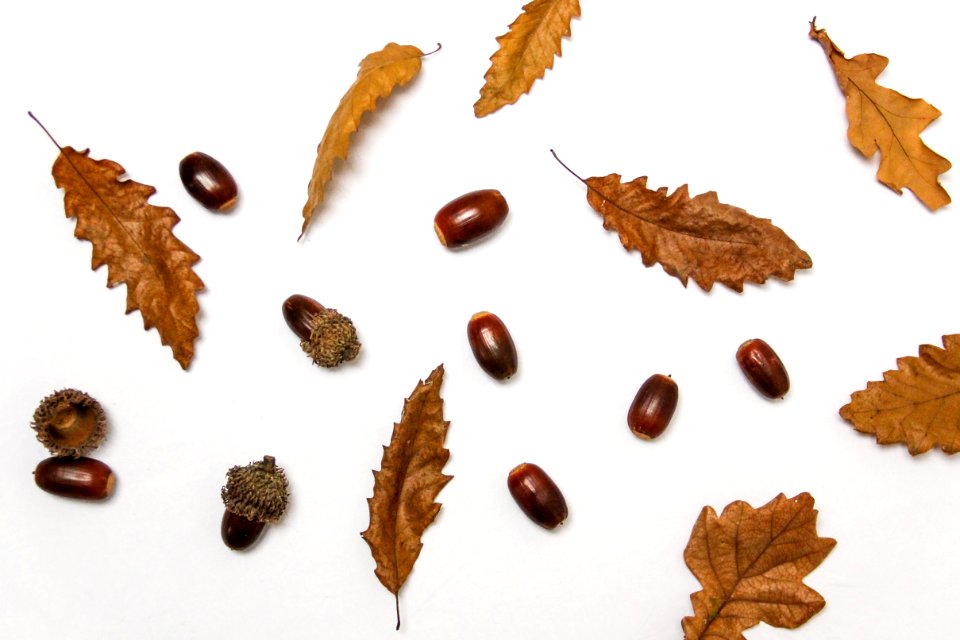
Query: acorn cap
<point x="333" y="339"/>
<point x="258" y="491"/>
<point x="70" y="423"/>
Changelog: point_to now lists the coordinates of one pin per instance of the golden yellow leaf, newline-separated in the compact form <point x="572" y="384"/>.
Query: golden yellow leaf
<point x="882" y="119"/>
<point x="380" y="73"/>
<point x="918" y="404"/>
<point x="751" y="563"/>
<point x="405" y="487"/>
<point x="526" y="52"/>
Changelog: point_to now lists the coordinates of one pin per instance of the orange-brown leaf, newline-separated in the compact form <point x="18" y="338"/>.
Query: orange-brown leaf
<point x="699" y="237"/>
<point x="918" y="404"/>
<point x="526" y="51"/>
<point x="882" y="119"/>
<point x="404" y="490"/>
<point x="136" y="242"/>
<point x="380" y="73"/>
<point x="751" y="564"/>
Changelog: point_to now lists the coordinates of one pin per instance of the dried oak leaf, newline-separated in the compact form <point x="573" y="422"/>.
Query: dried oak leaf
<point x="918" y="404"/>
<point x="526" y="51"/>
<point x="751" y="563"/>
<point x="883" y="119"/>
<point x="700" y="237"/>
<point x="409" y="480"/>
<point x="380" y="73"/>
<point x="136" y="242"/>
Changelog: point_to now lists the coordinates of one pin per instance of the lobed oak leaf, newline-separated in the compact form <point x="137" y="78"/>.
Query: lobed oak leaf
<point x="136" y="242"/>
<point x="526" y="51"/>
<point x="918" y="404"/>
<point x="699" y="237"/>
<point x="380" y="73"/>
<point x="751" y="564"/>
<point x="882" y="119"/>
<point x="405" y="487"/>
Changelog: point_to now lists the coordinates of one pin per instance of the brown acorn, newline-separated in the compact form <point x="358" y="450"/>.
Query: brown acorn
<point x="326" y="335"/>
<point x="763" y="368"/>
<point x="653" y="407"/>
<point x="470" y="217"/>
<point x="537" y="495"/>
<point x="69" y="423"/>
<point x="80" y="478"/>
<point x="208" y="182"/>
<point x="492" y="345"/>
<point x="255" y="495"/>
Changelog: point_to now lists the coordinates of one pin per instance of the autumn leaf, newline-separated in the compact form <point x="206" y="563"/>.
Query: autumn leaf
<point x="699" y="237"/>
<point x="751" y="564"/>
<point x="404" y="489"/>
<point x="136" y="242"/>
<point x="380" y="73"/>
<point x="883" y="119"/>
<point x="918" y="404"/>
<point x="526" y="52"/>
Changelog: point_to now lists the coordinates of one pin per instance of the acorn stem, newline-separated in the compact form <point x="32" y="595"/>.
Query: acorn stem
<point x="269" y="463"/>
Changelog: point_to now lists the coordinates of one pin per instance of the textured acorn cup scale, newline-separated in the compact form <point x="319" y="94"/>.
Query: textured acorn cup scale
<point x="255" y="495"/>
<point x="69" y="423"/>
<point x="326" y="335"/>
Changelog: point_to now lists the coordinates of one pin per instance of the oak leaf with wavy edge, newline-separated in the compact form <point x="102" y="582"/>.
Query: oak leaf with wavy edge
<point x="883" y="119"/>
<point x="380" y="73"/>
<point x="136" y="242"/>
<point x="405" y="487"/>
<point x="700" y="237"/>
<point x="917" y="404"/>
<point x="526" y="51"/>
<point x="751" y="564"/>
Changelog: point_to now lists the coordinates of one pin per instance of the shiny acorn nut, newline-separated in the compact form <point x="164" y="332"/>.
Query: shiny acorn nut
<point x="537" y="495"/>
<point x="326" y="335"/>
<point x="492" y="345"/>
<point x="240" y="532"/>
<point x="653" y="407"/>
<point x="469" y="217"/>
<point x="763" y="368"/>
<point x="80" y="478"/>
<point x="208" y="181"/>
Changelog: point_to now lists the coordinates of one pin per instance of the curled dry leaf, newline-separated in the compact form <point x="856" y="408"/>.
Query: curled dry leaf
<point x="380" y="73"/>
<point x="882" y="119"/>
<point x="404" y="490"/>
<point x="751" y="563"/>
<point x="526" y="51"/>
<point x="918" y="404"/>
<point x="699" y="237"/>
<point x="136" y="242"/>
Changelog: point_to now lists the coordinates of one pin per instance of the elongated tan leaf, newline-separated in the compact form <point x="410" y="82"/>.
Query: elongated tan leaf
<point x="380" y="73"/>
<point x="404" y="490"/>
<point x="136" y="242"/>
<point x="882" y="119"/>
<point x="917" y="404"/>
<point x="526" y="51"/>
<point x="751" y="563"/>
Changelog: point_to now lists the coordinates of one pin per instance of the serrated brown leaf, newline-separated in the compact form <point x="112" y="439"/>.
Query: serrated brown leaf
<point x="700" y="237"/>
<point x="882" y="119"/>
<point x="526" y="51"/>
<point x="917" y="404"/>
<point x="380" y="73"/>
<point x="751" y="564"/>
<point x="404" y="490"/>
<point x="136" y="242"/>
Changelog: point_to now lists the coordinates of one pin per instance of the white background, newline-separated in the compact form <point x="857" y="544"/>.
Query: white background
<point x="732" y="97"/>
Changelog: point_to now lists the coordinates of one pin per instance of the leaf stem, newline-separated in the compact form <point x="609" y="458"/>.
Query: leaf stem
<point x="396" y="597"/>
<point x="49" y="135"/>
<point x="563" y="164"/>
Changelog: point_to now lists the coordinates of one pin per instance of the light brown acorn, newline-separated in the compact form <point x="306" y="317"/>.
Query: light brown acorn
<point x="69" y="423"/>
<point x="470" y="217"/>
<point x="653" y="406"/>
<point x="326" y="335"/>
<point x="537" y="495"/>
<point x="255" y="495"/>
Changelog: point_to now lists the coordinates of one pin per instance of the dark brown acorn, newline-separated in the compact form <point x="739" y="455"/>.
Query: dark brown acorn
<point x="208" y="182"/>
<point x="327" y="336"/>
<point x="80" y="478"/>
<point x="537" y="495"/>
<point x="470" y="217"/>
<point x="492" y="345"/>
<point x="653" y="407"/>
<point x="69" y="423"/>
<point x="763" y="368"/>
<point x="255" y="495"/>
